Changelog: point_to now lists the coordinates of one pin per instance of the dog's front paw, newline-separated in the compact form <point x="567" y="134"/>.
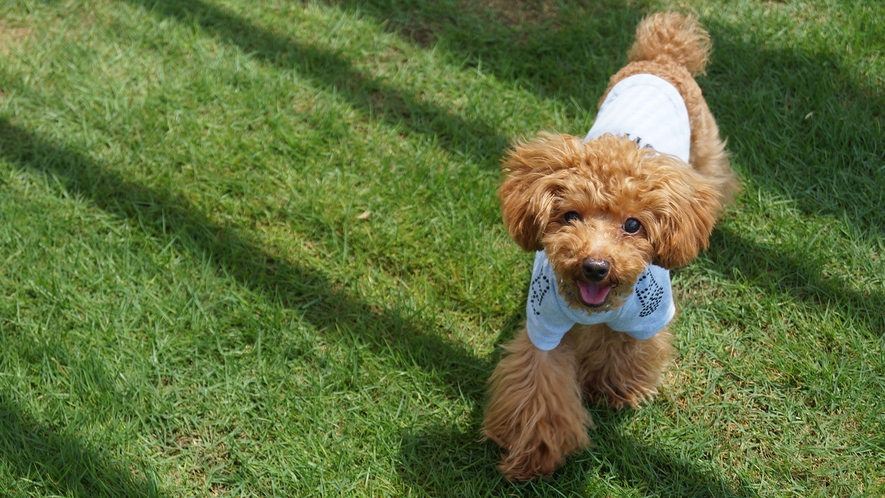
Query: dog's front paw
<point x="620" y="396"/>
<point x="538" y="451"/>
<point x="535" y="412"/>
<point x="622" y="370"/>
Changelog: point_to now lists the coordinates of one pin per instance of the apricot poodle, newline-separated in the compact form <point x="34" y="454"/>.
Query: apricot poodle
<point x="608" y="217"/>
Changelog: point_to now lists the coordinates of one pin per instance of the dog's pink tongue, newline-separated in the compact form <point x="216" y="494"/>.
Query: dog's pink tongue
<point x="594" y="294"/>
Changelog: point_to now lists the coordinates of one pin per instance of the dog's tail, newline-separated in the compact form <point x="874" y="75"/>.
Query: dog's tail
<point x="674" y="37"/>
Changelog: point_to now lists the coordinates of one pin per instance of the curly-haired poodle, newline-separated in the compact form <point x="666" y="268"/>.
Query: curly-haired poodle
<point x="608" y="217"/>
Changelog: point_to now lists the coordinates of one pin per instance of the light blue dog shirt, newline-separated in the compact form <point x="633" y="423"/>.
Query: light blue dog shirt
<point x="645" y="313"/>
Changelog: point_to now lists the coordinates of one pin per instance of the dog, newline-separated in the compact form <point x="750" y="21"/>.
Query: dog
<point x="607" y="217"/>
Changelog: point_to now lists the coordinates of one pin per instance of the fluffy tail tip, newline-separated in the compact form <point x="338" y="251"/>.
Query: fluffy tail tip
<point x="675" y="37"/>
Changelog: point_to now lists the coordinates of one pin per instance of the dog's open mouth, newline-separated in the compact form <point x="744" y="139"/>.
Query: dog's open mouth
<point x="593" y="294"/>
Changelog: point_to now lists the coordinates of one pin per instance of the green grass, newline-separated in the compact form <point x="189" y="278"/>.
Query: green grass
<point x="254" y="248"/>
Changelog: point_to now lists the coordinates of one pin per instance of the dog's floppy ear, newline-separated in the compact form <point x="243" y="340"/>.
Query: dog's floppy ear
<point x="535" y="174"/>
<point x="685" y="205"/>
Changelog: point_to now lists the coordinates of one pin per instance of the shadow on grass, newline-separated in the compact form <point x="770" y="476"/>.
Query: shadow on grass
<point x="805" y="131"/>
<point x="430" y="460"/>
<point x="327" y="306"/>
<point x="367" y="93"/>
<point x="801" y="126"/>
<point x="557" y="49"/>
<point x="654" y="468"/>
<point x="62" y="463"/>
<point x="770" y="269"/>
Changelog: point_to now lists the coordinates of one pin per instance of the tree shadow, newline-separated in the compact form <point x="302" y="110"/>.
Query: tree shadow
<point x="831" y="164"/>
<point x="63" y="463"/>
<point x="367" y="93"/>
<point x="656" y="469"/>
<point x="431" y="458"/>
<point x="557" y="57"/>
<point x="327" y="306"/>
<point x="562" y="50"/>
<point x="771" y="269"/>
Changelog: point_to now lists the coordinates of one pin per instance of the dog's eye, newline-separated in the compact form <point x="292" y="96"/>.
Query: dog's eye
<point x="632" y="225"/>
<point x="571" y="216"/>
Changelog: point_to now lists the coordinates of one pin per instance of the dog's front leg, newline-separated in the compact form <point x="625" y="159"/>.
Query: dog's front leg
<point x="535" y="412"/>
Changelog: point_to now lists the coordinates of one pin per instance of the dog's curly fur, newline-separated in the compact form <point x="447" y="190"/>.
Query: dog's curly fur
<point x="535" y="410"/>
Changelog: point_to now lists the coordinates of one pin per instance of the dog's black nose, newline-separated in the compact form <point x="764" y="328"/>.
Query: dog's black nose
<point x="595" y="270"/>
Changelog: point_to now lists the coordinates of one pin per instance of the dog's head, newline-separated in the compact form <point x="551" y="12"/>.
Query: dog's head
<point x="603" y="210"/>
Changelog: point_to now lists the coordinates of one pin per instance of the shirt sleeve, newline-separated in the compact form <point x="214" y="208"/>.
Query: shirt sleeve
<point x="545" y="321"/>
<point x="650" y="308"/>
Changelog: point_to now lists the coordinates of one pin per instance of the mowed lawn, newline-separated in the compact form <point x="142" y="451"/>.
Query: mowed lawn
<point x="254" y="248"/>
